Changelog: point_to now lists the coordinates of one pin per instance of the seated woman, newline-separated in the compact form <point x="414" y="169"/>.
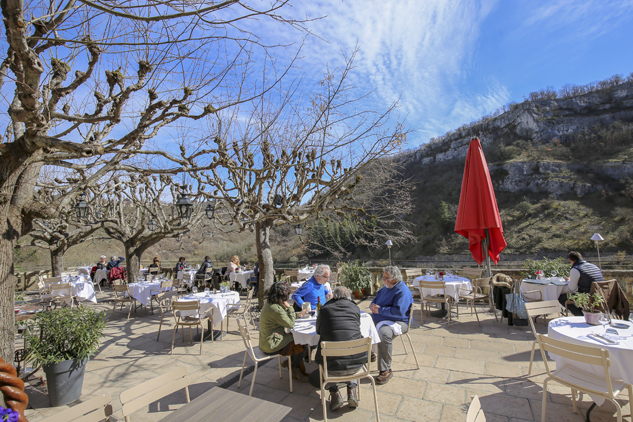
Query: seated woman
<point x="276" y="316"/>
<point x="154" y="267"/>
<point x="234" y="265"/>
<point x="181" y="264"/>
<point x="102" y="264"/>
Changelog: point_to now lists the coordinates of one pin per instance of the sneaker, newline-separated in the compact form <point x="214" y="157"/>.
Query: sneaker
<point x="336" y="401"/>
<point x="373" y="357"/>
<point x="383" y="377"/>
<point x="352" y="399"/>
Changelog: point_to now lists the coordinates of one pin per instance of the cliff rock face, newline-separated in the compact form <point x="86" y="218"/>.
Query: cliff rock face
<point x="539" y="123"/>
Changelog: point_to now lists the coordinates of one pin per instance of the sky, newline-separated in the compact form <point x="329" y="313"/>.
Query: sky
<point x="450" y="62"/>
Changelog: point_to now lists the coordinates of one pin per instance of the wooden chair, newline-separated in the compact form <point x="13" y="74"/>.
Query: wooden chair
<point x="165" y="300"/>
<point x="241" y="309"/>
<point x="475" y="412"/>
<point x="346" y="348"/>
<point x="536" y="309"/>
<point x="577" y="380"/>
<point x="258" y="356"/>
<point x="93" y="410"/>
<point x="180" y="287"/>
<point x="45" y="294"/>
<point x="153" y="272"/>
<point x="205" y="279"/>
<point x="444" y="298"/>
<point x="144" y="394"/>
<point x="475" y="294"/>
<point x="471" y="272"/>
<point x="122" y="295"/>
<point x="187" y="321"/>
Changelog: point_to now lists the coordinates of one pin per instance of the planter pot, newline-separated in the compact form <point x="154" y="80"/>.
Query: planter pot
<point x="224" y="289"/>
<point x="367" y="291"/>
<point x="65" y="381"/>
<point x="591" y="318"/>
<point x="356" y="294"/>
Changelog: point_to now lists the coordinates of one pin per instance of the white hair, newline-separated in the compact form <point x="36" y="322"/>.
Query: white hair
<point x="321" y="269"/>
<point x="102" y="257"/>
<point x="394" y="272"/>
<point x="342" y="292"/>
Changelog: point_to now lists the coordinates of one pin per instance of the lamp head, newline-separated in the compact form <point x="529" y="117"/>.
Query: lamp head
<point x="389" y="243"/>
<point x="597" y="238"/>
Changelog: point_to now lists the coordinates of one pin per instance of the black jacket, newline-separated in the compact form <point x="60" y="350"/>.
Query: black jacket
<point x="203" y="267"/>
<point x="339" y="320"/>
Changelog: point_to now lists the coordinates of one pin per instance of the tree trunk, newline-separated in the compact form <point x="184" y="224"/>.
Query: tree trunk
<point x="265" y="257"/>
<point x="57" y="261"/>
<point x="133" y="253"/>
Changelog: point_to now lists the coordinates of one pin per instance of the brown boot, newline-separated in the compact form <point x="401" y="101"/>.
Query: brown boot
<point x="352" y="397"/>
<point x="383" y="377"/>
<point x="336" y="401"/>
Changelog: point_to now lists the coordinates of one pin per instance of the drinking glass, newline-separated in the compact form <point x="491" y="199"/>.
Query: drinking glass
<point x="603" y="319"/>
<point x="194" y="289"/>
<point x="206" y="289"/>
<point x="306" y="306"/>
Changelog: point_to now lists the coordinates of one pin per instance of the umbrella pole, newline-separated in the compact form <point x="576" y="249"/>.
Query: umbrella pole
<point x="487" y="254"/>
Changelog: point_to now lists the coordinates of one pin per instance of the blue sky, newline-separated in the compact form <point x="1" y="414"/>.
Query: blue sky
<point x="452" y="61"/>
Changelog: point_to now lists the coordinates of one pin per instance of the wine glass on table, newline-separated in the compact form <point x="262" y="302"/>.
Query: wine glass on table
<point x="194" y="289"/>
<point x="603" y="319"/>
<point x="306" y="306"/>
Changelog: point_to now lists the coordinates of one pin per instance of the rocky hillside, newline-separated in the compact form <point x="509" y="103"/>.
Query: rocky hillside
<point x="562" y="170"/>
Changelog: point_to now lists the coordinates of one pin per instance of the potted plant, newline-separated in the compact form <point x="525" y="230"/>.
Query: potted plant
<point x="588" y="303"/>
<point x="224" y="287"/>
<point x="61" y="342"/>
<point x="355" y="277"/>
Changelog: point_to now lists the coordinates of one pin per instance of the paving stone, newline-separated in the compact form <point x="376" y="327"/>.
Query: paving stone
<point x="445" y="394"/>
<point x="462" y="365"/>
<point x="419" y="410"/>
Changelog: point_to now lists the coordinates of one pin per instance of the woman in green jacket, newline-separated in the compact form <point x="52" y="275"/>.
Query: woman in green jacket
<point x="277" y="315"/>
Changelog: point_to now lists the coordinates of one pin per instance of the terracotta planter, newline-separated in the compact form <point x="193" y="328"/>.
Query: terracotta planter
<point x="592" y="318"/>
<point x="356" y="294"/>
<point x="367" y="291"/>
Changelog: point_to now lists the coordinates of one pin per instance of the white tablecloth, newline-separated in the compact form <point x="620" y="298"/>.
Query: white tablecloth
<point x="549" y="291"/>
<point x="82" y="288"/>
<point x="143" y="291"/>
<point x="214" y="305"/>
<point x="192" y="276"/>
<point x="242" y="277"/>
<point x="84" y="270"/>
<point x="574" y="330"/>
<point x="304" y="331"/>
<point x="305" y="273"/>
<point x="453" y="284"/>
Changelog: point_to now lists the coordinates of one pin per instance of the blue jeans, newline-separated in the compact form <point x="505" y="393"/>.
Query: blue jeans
<point x="332" y="386"/>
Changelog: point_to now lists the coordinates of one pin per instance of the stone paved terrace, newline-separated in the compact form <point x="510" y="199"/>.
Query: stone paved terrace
<point x="456" y="363"/>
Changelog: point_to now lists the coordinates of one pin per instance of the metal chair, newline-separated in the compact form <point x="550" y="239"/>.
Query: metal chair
<point x="258" y="356"/>
<point x="474" y="294"/>
<point x="536" y="309"/>
<point x="93" y="410"/>
<point x="165" y="300"/>
<point x="187" y="320"/>
<point x="346" y="348"/>
<point x="577" y="379"/>
<point x="241" y="309"/>
<point x="122" y="295"/>
<point x="475" y="412"/>
<point x="409" y="338"/>
<point x="444" y="298"/>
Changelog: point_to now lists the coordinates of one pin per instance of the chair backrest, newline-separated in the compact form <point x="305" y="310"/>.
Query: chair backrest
<point x="475" y="412"/>
<point x="166" y="284"/>
<point x="61" y="289"/>
<point x="41" y="285"/>
<point x="424" y="284"/>
<point x="186" y="277"/>
<point x="502" y="280"/>
<point x="120" y="289"/>
<point x="333" y="277"/>
<point x="606" y="289"/>
<point x="148" y="392"/>
<point x="411" y="273"/>
<point x="346" y="348"/>
<point x="83" y="271"/>
<point x="154" y="270"/>
<point x="53" y="280"/>
<point x="208" y="270"/>
<point x="584" y="354"/>
<point x="471" y="272"/>
<point x="189" y="305"/>
<point x="535" y="309"/>
<point x="246" y="338"/>
<point x="93" y="410"/>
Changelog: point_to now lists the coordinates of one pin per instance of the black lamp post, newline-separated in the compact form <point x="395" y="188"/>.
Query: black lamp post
<point x="151" y="225"/>
<point x="184" y="205"/>
<point x="81" y="208"/>
<point x="210" y="211"/>
<point x="299" y="229"/>
<point x="278" y="200"/>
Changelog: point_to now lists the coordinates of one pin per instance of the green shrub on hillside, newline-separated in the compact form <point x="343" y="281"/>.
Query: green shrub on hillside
<point x="558" y="267"/>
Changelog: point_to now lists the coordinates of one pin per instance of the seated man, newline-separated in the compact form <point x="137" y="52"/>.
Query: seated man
<point x="339" y="320"/>
<point x="581" y="275"/>
<point x="313" y="290"/>
<point x="114" y="262"/>
<point x="201" y="274"/>
<point x="390" y="311"/>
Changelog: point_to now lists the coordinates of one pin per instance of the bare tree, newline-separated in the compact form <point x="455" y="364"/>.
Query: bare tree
<point x="135" y="202"/>
<point x="93" y="81"/>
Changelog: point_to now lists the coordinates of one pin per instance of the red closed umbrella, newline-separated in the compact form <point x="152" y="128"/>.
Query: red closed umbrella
<point x="478" y="215"/>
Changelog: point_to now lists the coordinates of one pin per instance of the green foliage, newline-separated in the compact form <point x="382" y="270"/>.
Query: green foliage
<point x="525" y="208"/>
<point x="19" y="296"/>
<point x="558" y="267"/>
<point x="587" y="302"/>
<point x="447" y="214"/>
<point x="355" y="277"/>
<point x="224" y="284"/>
<point x="328" y="237"/>
<point x="64" y="334"/>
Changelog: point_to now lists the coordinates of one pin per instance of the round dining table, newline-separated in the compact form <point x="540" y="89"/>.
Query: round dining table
<point x="214" y="306"/>
<point x="550" y="288"/>
<point x="304" y="331"/>
<point x="453" y="285"/>
<point x="576" y="331"/>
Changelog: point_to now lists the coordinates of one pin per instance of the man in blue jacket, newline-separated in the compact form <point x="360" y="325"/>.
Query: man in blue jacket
<point x="390" y="311"/>
<point x="313" y="289"/>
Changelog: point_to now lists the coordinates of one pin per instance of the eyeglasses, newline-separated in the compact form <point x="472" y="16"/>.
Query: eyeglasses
<point x="322" y="276"/>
